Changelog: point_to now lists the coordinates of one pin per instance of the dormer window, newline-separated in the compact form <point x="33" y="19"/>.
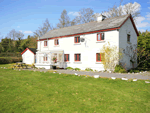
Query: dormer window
<point x="45" y="43"/>
<point x="77" y="39"/>
<point x="56" y="42"/>
<point x="100" y="36"/>
<point x="128" y="37"/>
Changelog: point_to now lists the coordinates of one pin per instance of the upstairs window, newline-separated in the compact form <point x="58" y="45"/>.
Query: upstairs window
<point x="56" y="42"/>
<point x="77" y="57"/>
<point x="45" y="43"/>
<point x="128" y="38"/>
<point x="66" y="57"/>
<point x="98" y="57"/>
<point x="77" y="39"/>
<point x="100" y="36"/>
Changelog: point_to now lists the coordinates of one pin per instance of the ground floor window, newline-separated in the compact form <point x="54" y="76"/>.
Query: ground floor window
<point x="98" y="57"/>
<point x="66" y="57"/>
<point x="77" y="57"/>
<point x="45" y="58"/>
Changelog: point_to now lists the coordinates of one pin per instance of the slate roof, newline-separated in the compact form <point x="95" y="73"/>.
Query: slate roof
<point x="87" y="27"/>
<point x="33" y="50"/>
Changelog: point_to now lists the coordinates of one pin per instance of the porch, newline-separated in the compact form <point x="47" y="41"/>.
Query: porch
<point x="45" y="59"/>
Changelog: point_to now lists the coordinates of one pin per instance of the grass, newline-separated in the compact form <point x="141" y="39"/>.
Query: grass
<point x="28" y="91"/>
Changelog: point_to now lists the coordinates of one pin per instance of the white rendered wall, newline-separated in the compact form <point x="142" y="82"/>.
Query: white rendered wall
<point x="28" y="57"/>
<point x="87" y="50"/>
<point x="126" y="28"/>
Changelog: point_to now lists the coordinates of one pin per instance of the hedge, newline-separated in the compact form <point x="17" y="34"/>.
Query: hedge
<point x="6" y="60"/>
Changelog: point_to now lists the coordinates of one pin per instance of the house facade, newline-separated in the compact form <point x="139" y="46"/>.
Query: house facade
<point x="79" y="46"/>
<point x="29" y="56"/>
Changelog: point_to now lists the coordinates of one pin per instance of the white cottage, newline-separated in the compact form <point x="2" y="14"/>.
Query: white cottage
<point x="79" y="45"/>
<point x="28" y="56"/>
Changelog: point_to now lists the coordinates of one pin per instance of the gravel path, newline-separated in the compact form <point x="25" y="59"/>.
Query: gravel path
<point x="102" y="74"/>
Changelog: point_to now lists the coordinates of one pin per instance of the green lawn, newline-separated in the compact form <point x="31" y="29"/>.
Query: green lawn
<point x="39" y="92"/>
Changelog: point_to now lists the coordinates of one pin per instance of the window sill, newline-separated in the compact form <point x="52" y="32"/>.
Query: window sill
<point x="100" y="41"/>
<point x="98" y="62"/>
<point x="45" y="46"/>
<point x="77" y="43"/>
<point x="128" y="42"/>
<point x="78" y="62"/>
<point x="67" y="62"/>
<point x="56" y="45"/>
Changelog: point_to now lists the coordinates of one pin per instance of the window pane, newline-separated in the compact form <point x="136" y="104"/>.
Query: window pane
<point x="98" y="36"/>
<point x="57" y="41"/>
<point x="68" y="57"/>
<point x="98" y="56"/>
<point x="78" y="39"/>
<point x="76" y="57"/>
<point x="75" y="39"/>
<point x="102" y="36"/>
<point x="128" y="38"/>
<point x="79" y="57"/>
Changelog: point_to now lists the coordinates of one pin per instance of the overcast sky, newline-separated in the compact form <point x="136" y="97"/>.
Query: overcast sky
<point x="27" y="15"/>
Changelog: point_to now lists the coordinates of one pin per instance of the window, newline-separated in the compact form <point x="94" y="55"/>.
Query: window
<point x="128" y="38"/>
<point x="56" y="42"/>
<point x="45" y="58"/>
<point x="77" y="39"/>
<point x="100" y="36"/>
<point x="66" y="57"/>
<point x="98" y="57"/>
<point x="77" y="57"/>
<point x="45" y="43"/>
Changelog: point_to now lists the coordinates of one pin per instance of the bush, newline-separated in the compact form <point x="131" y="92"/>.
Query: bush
<point x="77" y="69"/>
<point x="88" y="69"/>
<point x="119" y="69"/>
<point x="133" y="70"/>
<point x="70" y="68"/>
<point x="7" y="60"/>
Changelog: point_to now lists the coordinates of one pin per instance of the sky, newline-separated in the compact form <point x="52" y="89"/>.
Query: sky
<point x="27" y="15"/>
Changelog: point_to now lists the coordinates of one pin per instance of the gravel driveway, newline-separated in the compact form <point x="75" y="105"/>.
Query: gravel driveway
<point x="143" y="76"/>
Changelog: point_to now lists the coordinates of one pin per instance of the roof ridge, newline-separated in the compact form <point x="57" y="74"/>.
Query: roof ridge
<point x="91" y="22"/>
<point x="93" y="25"/>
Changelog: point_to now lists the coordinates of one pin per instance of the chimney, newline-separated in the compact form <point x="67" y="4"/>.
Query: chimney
<point x="101" y="18"/>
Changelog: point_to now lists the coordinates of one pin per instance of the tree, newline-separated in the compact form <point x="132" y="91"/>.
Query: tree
<point x="15" y="34"/>
<point x="129" y="8"/>
<point x="131" y="52"/>
<point x="144" y="47"/>
<point x="64" y="20"/>
<point x="110" y="56"/>
<point x="136" y="53"/>
<point x="85" y="16"/>
<point x="43" y="29"/>
<point x="6" y="45"/>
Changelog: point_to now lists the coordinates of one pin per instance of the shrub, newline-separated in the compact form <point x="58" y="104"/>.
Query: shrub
<point x="70" y="68"/>
<point x="77" y="69"/>
<point x="133" y="70"/>
<point x="6" y="60"/>
<point x="119" y="69"/>
<point x="88" y="69"/>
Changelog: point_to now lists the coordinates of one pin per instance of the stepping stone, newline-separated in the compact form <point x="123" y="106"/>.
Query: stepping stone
<point x="147" y="82"/>
<point x="134" y="79"/>
<point x="54" y="72"/>
<point x="59" y="73"/>
<point x="113" y="78"/>
<point x="96" y="76"/>
<point x="124" y="79"/>
<point x="75" y="73"/>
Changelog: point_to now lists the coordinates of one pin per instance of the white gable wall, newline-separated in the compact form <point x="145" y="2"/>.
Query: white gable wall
<point x="28" y="57"/>
<point x="87" y="50"/>
<point x="124" y="30"/>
